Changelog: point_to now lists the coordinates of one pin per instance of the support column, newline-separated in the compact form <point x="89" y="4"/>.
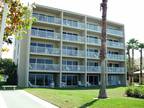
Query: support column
<point x="85" y="51"/>
<point x="61" y="46"/>
<point x="3" y="25"/>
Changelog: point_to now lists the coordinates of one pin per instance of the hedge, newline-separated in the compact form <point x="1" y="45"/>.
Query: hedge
<point x="137" y="92"/>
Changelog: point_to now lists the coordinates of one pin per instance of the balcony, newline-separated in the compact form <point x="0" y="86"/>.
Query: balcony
<point x="115" y="32"/>
<point x="76" y="53"/>
<point x="47" y="19"/>
<point x="115" y="44"/>
<point x="73" y="38"/>
<point x="93" y="69"/>
<point x="76" y="68"/>
<point x="44" y="67"/>
<point x="44" y="50"/>
<point x="44" y="34"/>
<point x="93" y="55"/>
<point x="116" y="57"/>
<point x="74" y="24"/>
<point x="116" y="69"/>
<point x="92" y="41"/>
<point x="93" y="27"/>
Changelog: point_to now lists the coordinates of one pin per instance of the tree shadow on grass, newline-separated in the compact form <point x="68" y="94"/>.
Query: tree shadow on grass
<point x="88" y="104"/>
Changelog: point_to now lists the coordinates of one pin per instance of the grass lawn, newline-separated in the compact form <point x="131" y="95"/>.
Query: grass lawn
<point x="83" y="98"/>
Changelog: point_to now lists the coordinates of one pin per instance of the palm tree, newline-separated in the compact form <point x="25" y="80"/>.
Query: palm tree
<point x="141" y="47"/>
<point x="102" y="91"/>
<point x="134" y="45"/>
<point x="129" y="62"/>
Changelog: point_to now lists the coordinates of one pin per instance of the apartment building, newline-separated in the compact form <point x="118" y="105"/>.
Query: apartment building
<point x="62" y="50"/>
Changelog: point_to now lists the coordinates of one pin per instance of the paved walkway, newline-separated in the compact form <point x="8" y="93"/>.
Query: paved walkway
<point x="21" y="99"/>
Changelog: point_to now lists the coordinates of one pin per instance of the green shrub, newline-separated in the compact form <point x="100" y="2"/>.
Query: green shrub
<point x="137" y="92"/>
<point x="130" y="92"/>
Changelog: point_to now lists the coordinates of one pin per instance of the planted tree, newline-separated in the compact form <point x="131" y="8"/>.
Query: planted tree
<point x="141" y="47"/>
<point x="133" y="43"/>
<point x="18" y="20"/>
<point x="102" y="91"/>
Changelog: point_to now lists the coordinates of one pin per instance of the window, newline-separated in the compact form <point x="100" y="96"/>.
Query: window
<point x="68" y="62"/>
<point x="33" y="44"/>
<point x="32" y="60"/>
<point x="92" y="63"/>
<point x="48" y="61"/>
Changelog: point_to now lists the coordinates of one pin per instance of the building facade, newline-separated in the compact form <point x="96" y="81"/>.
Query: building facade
<point x="62" y="50"/>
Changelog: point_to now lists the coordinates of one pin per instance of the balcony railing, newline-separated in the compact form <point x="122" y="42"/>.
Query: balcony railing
<point x="93" y="55"/>
<point x="115" y="44"/>
<point x="74" y="24"/>
<point x="46" y="18"/>
<point x="45" y="34"/>
<point x="73" y="38"/>
<point x="45" y="67"/>
<point x="77" y="68"/>
<point x="44" y="50"/>
<point x="93" y="69"/>
<point x="93" y="41"/>
<point x="94" y="28"/>
<point x="116" y="69"/>
<point x="115" y="32"/>
<point x="78" y="53"/>
<point x="115" y="57"/>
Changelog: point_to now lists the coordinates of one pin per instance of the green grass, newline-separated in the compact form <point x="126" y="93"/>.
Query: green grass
<point x="83" y="98"/>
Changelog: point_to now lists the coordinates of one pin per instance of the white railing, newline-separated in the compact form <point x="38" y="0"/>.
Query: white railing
<point x="46" y="18"/>
<point x="94" y="28"/>
<point x="116" y="69"/>
<point x="74" y="24"/>
<point x="44" y="50"/>
<point x="93" y="55"/>
<point x="93" y="41"/>
<point x="78" y="53"/>
<point x="115" y="57"/>
<point x="77" y="68"/>
<point x="115" y="44"/>
<point x="45" y="34"/>
<point x="73" y="38"/>
<point x="40" y="66"/>
<point x="115" y="32"/>
<point x="93" y="68"/>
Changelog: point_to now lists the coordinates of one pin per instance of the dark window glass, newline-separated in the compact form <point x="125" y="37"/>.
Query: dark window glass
<point x="32" y="60"/>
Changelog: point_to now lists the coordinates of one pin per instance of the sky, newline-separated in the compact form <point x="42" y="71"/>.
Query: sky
<point x="128" y="12"/>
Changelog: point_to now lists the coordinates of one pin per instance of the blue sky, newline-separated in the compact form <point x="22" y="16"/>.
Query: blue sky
<point x="128" y="12"/>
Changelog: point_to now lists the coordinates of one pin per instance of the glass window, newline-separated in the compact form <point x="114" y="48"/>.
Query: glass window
<point x="49" y="46"/>
<point x="32" y="60"/>
<point x="33" y="44"/>
<point x="41" y="45"/>
<point x="50" y="18"/>
<point x="48" y="61"/>
<point x="40" y="61"/>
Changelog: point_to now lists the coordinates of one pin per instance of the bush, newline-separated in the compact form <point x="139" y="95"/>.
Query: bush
<point x="137" y="92"/>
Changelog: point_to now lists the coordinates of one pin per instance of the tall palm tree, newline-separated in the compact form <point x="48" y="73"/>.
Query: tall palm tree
<point x="141" y="47"/>
<point x="129" y="62"/>
<point x="102" y="91"/>
<point x="134" y="45"/>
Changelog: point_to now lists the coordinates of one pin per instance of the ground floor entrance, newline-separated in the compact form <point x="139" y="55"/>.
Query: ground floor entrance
<point x="73" y="79"/>
<point x="93" y="80"/>
<point x="41" y="80"/>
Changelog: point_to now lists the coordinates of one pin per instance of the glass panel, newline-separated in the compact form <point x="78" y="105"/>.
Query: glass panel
<point x="32" y="79"/>
<point x="40" y="80"/>
<point x="32" y="60"/>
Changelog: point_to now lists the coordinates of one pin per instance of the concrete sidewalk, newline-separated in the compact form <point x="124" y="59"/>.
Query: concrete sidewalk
<point x="22" y="99"/>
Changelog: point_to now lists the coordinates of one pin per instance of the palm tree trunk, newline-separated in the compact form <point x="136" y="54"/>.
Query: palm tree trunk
<point x="141" y="74"/>
<point x="129" y="65"/>
<point x="102" y="91"/>
<point x="132" y="73"/>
